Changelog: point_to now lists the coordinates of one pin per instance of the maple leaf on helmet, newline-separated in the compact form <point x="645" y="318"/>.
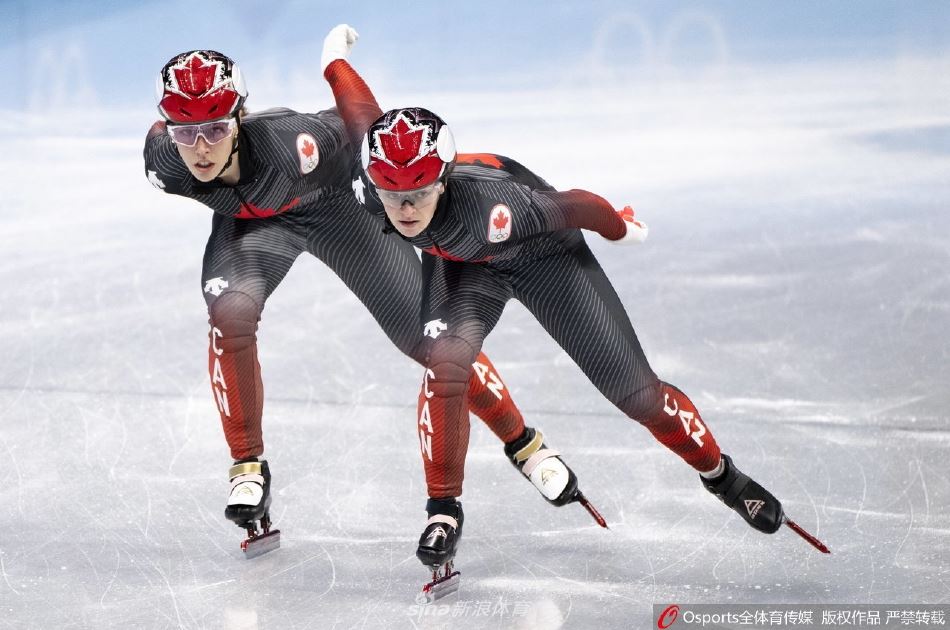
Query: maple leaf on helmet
<point x="199" y="86"/>
<point x="407" y="149"/>
<point x="196" y="76"/>
<point x="401" y="144"/>
<point x="307" y="148"/>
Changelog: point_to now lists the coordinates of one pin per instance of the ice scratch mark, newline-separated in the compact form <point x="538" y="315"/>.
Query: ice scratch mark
<point x="19" y="477"/>
<point x="864" y="495"/>
<point x="115" y="572"/>
<point x="333" y="573"/>
<point x="171" y="592"/>
<point x="299" y="564"/>
<point x="910" y="527"/>
<point x="148" y="508"/>
<point x="6" y="578"/>
<point x="923" y="486"/>
<point x="125" y="439"/>
<point x="214" y="584"/>
<point x="871" y="599"/>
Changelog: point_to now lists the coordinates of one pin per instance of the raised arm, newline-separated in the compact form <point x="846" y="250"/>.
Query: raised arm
<point x="587" y="211"/>
<point x="354" y="100"/>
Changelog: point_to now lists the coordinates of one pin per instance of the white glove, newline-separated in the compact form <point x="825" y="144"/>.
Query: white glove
<point x="637" y="231"/>
<point x="337" y="44"/>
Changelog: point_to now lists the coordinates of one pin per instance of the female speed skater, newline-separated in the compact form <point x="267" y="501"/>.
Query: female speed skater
<point x="278" y="183"/>
<point x="491" y="230"/>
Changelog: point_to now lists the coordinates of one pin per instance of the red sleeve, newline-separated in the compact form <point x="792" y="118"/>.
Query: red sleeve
<point x="354" y="100"/>
<point x="578" y="209"/>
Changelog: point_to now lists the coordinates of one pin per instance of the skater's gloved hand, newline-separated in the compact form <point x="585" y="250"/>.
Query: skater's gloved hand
<point x="637" y="231"/>
<point x="337" y="44"/>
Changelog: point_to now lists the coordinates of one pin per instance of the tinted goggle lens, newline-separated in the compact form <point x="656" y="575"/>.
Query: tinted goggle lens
<point x="213" y="132"/>
<point x="397" y="197"/>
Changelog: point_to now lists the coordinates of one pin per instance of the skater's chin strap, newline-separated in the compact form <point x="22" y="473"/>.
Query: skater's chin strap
<point x="234" y="149"/>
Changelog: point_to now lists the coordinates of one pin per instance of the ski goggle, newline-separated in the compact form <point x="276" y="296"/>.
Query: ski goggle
<point x="213" y="132"/>
<point x="397" y="197"/>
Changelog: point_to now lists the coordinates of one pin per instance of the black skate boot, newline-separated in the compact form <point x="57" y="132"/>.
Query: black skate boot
<point x="440" y="538"/>
<point x="547" y="472"/>
<point x="249" y="502"/>
<point x="543" y="467"/>
<point x="747" y="498"/>
<point x="437" y="547"/>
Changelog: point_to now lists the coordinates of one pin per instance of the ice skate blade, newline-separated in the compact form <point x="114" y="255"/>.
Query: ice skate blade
<point x="439" y="588"/>
<point x="809" y="538"/>
<point x="259" y="545"/>
<point x="580" y="498"/>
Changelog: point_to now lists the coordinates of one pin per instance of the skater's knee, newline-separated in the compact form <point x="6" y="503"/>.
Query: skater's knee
<point x="449" y="366"/>
<point x="233" y="318"/>
<point x="645" y="403"/>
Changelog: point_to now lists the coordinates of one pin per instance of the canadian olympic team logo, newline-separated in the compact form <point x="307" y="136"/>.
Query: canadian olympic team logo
<point x="499" y="223"/>
<point x="668" y="617"/>
<point x="308" y="153"/>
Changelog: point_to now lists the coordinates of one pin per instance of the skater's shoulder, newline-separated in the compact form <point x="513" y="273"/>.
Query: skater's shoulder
<point x="164" y="167"/>
<point x="474" y="195"/>
<point x="294" y="142"/>
<point x="286" y="118"/>
<point x="492" y="167"/>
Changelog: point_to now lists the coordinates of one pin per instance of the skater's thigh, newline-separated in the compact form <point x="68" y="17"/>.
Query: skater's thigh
<point x="461" y="300"/>
<point x="251" y="256"/>
<point x="573" y="300"/>
<point x="382" y="270"/>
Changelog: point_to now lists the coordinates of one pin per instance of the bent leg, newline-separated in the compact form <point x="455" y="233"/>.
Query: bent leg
<point x="244" y="262"/>
<point x="466" y="301"/>
<point x="384" y="272"/>
<point x="572" y="298"/>
<point x="490" y="400"/>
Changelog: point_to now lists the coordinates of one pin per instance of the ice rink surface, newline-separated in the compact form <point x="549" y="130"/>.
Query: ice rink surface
<point x="795" y="284"/>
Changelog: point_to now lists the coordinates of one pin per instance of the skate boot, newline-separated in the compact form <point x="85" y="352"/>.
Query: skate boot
<point x="752" y="502"/>
<point x="437" y="547"/>
<point x="545" y="469"/>
<point x="249" y="502"/>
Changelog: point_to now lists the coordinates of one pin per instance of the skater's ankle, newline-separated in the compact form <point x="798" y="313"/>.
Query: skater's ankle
<point x="716" y="473"/>
<point x="442" y="505"/>
<point x="523" y="436"/>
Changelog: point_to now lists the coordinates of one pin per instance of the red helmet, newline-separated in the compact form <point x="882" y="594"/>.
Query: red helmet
<point x="198" y="86"/>
<point x="407" y="149"/>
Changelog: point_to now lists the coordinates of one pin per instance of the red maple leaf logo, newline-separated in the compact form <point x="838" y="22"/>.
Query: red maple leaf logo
<point x="307" y="148"/>
<point x="500" y="220"/>
<point x="196" y="77"/>
<point x="401" y="144"/>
